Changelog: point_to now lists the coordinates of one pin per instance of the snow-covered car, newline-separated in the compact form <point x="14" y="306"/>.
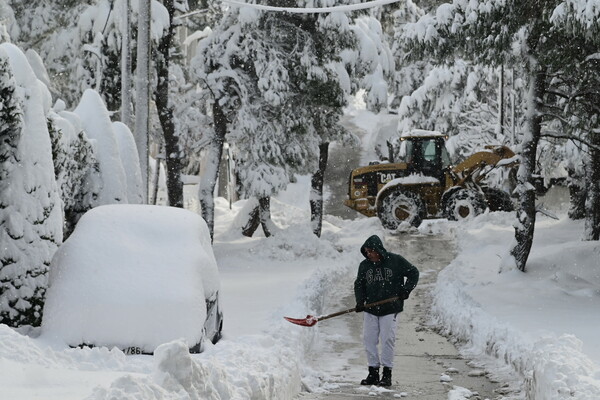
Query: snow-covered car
<point x="134" y="277"/>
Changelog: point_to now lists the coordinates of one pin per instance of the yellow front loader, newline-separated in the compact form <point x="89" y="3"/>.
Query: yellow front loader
<point x="426" y="185"/>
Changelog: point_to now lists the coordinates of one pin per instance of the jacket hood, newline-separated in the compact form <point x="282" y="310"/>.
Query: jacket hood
<point x="375" y="243"/>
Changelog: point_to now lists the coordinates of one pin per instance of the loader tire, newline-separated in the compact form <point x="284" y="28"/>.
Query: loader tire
<point x="464" y="204"/>
<point x="398" y="207"/>
<point x="498" y="200"/>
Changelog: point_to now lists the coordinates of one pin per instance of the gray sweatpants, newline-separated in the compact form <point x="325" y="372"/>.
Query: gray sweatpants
<point x="379" y="330"/>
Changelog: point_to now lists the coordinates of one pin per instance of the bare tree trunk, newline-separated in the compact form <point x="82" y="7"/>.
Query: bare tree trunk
<point x="577" y="194"/>
<point x="316" y="192"/>
<point x="260" y="215"/>
<point x="165" y="114"/>
<point x="142" y="90"/>
<point x="155" y="180"/>
<point x="211" y="172"/>
<point x="264" y="208"/>
<point x="592" y="206"/>
<point x="252" y="224"/>
<point x="524" y="228"/>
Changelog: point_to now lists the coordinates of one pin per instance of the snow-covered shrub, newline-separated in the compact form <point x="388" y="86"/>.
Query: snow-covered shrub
<point x="95" y="120"/>
<point x="130" y="161"/>
<point x="30" y="212"/>
<point x="75" y="167"/>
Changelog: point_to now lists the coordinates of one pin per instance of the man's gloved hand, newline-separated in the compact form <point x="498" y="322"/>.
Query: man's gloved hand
<point x="359" y="308"/>
<point x="404" y="294"/>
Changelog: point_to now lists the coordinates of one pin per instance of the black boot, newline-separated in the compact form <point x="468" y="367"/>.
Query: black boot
<point x="373" y="378"/>
<point x="386" y="378"/>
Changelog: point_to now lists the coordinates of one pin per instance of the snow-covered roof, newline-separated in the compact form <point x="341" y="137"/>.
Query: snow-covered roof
<point x="132" y="275"/>
<point x="421" y="133"/>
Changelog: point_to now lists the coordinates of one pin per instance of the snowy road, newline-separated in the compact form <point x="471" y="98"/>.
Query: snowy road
<point x="423" y="358"/>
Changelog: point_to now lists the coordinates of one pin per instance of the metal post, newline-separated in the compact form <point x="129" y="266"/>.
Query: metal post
<point x="126" y="111"/>
<point x="142" y="87"/>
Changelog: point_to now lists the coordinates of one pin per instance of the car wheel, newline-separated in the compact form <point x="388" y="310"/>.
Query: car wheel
<point x="398" y="207"/>
<point x="463" y="204"/>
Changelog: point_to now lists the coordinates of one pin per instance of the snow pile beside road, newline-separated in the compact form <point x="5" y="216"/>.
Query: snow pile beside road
<point x="562" y="371"/>
<point x="261" y="356"/>
<point x="252" y="368"/>
<point x="543" y="323"/>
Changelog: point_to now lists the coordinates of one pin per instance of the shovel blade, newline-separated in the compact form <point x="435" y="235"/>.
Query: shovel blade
<point x="308" y="321"/>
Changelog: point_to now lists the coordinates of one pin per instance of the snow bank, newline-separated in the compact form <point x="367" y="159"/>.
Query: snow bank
<point x="260" y="356"/>
<point x="132" y="275"/>
<point x="537" y="322"/>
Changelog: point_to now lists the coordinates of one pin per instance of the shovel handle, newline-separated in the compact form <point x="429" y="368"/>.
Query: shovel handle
<point x="370" y="305"/>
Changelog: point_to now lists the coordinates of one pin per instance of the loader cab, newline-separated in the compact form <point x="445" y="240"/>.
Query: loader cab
<point x="426" y="155"/>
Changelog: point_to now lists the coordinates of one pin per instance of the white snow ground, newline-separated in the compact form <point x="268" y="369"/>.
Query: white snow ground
<point x="542" y="323"/>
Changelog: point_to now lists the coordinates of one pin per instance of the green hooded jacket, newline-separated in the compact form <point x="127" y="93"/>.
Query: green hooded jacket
<point x="392" y="276"/>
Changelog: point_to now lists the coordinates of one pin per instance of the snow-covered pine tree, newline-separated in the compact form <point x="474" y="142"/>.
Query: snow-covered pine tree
<point x="510" y="32"/>
<point x="74" y="162"/>
<point x="246" y="70"/>
<point x="30" y="214"/>
<point x="49" y="28"/>
<point x="372" y="64"/>
<point x="285" y="76"/>
<point x="409" y="73"/>
<point x="576" y="91"/>
<point x="353" y="55"/>
<point x="223" y="77"/>
<point x="459" y="100"/>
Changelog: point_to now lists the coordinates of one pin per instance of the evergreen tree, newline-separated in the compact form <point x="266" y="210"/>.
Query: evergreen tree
<point x="576" y="94"/>
<point x="30" y="215"/>
<point x="459" y="100"/>
<point x="281" y="80"/>
<point x="507" y="32"/>
<point x="409" y="73"/>
<point x="74" y="165"/>
<point x="50" y="28"/>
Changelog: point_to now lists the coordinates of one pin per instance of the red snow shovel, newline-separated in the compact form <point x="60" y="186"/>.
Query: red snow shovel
<point x="311" y="320"/>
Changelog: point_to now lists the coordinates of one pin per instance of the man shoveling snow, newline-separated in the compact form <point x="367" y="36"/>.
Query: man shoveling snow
<point x="382" y="275"/>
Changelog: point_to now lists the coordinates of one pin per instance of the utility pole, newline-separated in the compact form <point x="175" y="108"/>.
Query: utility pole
<point x="142" y="89"/>
<point x="126" y="111"/>
<point x="513" y="99"/>
<point x="501" y="102"/>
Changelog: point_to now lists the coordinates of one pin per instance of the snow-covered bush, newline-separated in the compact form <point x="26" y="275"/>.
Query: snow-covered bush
<point x="130" y="161"/>
<point x="95" y="120"/>
<point x="75" y="166"/>
<point x="30" y="211"/>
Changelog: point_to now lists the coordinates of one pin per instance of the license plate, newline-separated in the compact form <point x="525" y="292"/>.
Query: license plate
<point x="133" y="351"/>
